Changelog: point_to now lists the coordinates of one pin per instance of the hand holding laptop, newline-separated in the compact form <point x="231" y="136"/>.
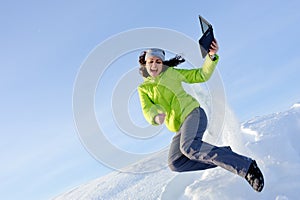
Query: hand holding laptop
<point x="214" y="47"/>
<point x="207" y="42"/>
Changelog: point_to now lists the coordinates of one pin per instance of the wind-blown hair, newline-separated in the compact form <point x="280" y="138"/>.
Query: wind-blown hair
<point x="173" y="62"/>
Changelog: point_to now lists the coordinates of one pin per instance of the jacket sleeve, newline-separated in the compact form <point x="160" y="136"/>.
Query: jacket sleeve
<point x="150" y="110"/>
<point x="200" y="74"/>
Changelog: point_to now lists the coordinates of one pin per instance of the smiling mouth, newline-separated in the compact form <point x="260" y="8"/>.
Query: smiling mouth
<point x="153" y="70"/>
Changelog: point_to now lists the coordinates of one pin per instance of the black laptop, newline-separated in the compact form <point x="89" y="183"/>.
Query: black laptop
<point x="207" y="37"/>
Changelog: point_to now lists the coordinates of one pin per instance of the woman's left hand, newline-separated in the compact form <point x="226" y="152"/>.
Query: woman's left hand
<point x="214" y="47"/>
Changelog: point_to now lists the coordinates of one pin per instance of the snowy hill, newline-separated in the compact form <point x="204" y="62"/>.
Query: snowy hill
<point x="272" y="140"/>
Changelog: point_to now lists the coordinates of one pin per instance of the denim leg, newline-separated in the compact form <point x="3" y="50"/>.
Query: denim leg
<point x="180" y="163"/>
<point x="207" y="155"/>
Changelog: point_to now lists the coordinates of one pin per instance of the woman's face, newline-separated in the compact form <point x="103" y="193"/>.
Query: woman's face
<point x="154" y="66"/>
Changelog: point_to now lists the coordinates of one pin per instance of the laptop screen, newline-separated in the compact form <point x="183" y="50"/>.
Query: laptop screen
<point x="207" y="37"/>
<point x="204" y="24"/>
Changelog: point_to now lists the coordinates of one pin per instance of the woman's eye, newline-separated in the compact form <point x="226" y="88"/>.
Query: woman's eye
<point x="152" y="61"/>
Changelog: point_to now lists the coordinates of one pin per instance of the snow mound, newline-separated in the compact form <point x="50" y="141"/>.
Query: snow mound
<point x="296" y="105"/>
<point x="271" y="140"/>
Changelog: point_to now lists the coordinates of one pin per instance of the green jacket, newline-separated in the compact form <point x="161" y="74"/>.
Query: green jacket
<point x="165" y="94"/>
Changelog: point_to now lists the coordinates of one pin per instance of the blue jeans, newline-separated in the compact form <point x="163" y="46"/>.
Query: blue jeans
<point x="189" y="153"/>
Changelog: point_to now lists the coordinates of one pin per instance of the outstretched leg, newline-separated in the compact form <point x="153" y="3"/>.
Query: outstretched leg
<point x="192" y="146"/>
<point x="188" y="152"/>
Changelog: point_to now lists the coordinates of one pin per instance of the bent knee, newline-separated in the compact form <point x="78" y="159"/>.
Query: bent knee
<point x="177" y="165"/>
<point x="186" y="150"/>
<point x="173" y="167"/>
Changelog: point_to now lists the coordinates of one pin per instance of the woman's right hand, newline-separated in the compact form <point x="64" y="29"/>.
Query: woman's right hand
<point x="160" y="118"/>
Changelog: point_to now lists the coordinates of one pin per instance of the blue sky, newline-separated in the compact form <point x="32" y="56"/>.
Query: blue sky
<point x="43" y="45"/>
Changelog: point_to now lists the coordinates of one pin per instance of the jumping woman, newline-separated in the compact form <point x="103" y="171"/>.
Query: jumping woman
<point x="164" y="100"/>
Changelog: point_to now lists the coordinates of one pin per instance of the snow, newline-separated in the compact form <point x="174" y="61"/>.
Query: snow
<point x="296" y="105"/>
<point x="271" y="140"/>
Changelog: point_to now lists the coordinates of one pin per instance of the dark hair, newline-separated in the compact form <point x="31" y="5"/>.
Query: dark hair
<point x="173" y="62"/>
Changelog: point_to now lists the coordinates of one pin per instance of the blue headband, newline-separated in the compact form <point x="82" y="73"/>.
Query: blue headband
<point x="155" y="52"/>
